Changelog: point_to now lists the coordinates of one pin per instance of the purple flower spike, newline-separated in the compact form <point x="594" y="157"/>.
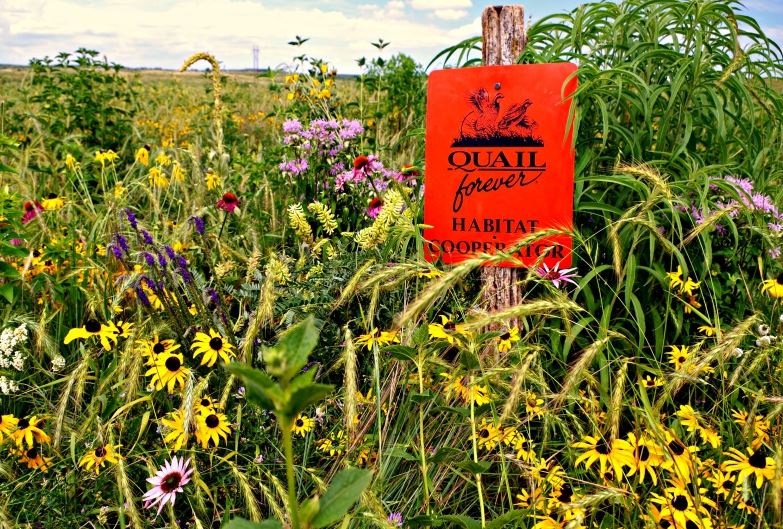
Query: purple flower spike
<point x="162" y="261"/>
<point x="123" y="242"/>
<point x="185" y="275"/>
<point x="131" y="218"/>
<point x="170" y="252"/>
<point x="147" y="237"/>
<point x="142" y="296"/>
<point x="149" y="258"/>
<point x="198" y="224"/>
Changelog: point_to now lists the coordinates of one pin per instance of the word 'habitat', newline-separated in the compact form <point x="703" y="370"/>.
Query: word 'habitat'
<point x="499" y="161"/>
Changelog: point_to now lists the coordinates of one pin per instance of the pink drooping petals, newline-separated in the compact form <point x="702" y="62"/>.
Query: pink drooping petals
<point x="557" y="276"/>
<point x="228" y="203"/>
<point x="167" y="482"/>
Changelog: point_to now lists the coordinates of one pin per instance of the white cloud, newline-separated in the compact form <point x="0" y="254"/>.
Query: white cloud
<point x="450" y="14"/>
<point x="429" y="5"/>
<point x="165" y="34"/>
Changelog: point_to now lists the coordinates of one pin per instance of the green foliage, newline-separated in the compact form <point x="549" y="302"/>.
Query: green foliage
<point x="80" y="95"/>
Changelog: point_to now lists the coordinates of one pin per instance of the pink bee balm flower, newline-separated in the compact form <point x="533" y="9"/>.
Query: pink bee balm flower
<point x="167" y="482"/>
<point x="556" y="276"/>
<point x="228" y="203"/>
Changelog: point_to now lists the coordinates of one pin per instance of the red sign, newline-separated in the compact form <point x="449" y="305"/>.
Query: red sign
<point x="499" y="162"/>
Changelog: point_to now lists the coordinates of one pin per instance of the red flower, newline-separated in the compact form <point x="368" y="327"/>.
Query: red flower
<point x="228" y="203"/>
<point x="31" y="210"/>
<point x="375" y="207"/>
<point x="360" y="162"/>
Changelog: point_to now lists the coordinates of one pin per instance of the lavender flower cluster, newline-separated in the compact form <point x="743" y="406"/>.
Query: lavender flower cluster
<point x="749" y="200"/>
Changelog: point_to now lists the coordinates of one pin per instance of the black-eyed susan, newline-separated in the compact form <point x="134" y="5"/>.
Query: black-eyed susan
<point x="176" y="437"/>
<point x="95" y="459"/>
<point x="678" y="356"/>
<point x="27" y="431"/>
<point x="302" y="424"/>
<point x="754" y="463"/>
<point x="152" y="349"/>
<point x="547" y="471"/>
<point x="378" y="337"/>
<point x="34" y="458"/>
<point x="487" y="435"/>
<point x="212" y="346"/>
<point x="124" y="329"/>
<point x="332" y="445"/>
<point x="465" y="390"/>
<point x="525" y="448"/>
<point x="648" y="458"/>
<point x="533" y="500"/>
<point x="773" y="287"/>
<point x="507" y="340"/>
<point x="7" y="425"/>
<point x="724" y="483"/>
<point x="212" y="427"/>
<point x="52" y="202"/>
<point x="143" y="155"/>
<point x="760" y="426"/>
<point x="682" y="456"/>
<point x="678" y="506"/>
<point x="533" y="404"/>
<point x="561" y="495"/>
<point x="168" y="372"/>
<point x="707" y="330"/>
<point x="611" y="454"/>
<point x="448" y="330"/>
<point x="650" y="382"/>
<point x="91" y="328"/>
<point x="675" y="278"/>
<point x="206" y="405"/>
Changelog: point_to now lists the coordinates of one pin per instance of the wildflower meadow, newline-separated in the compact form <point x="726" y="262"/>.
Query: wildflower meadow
<point x="217" y="311"/>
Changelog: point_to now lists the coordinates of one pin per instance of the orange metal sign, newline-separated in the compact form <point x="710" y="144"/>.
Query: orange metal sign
<point x="499" y="161"/>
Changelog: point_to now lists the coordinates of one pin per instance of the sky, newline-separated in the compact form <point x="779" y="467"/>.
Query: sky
<point x="163" y="33"/>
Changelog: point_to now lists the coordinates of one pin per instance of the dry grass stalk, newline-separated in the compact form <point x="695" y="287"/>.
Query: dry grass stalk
<point x="580" y="369"/>
<point x="516" y="390"/>
<point x="350" y="384"/>
<point x="247" y="493"/>
<point x="616" y="405"/>
<point x="76" y="379"/>
<point x="129" y="504"/>
<point x="350" y="288"/>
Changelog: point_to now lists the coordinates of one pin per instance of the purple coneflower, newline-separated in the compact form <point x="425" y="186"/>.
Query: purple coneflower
<point x="376" y="204"/>
<point x="556" y="276"/>
<point x="228" y="203"/>
<point x="167" y="482"/>
<point x="31" y="210"/>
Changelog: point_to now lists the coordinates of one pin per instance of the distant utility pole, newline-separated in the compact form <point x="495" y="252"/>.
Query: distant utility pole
<point x="255" y="58"/>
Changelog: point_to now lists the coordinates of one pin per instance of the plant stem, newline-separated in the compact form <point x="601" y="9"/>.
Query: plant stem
<point x="293" y="507"/>
<point x="475" y="452"/>
<point x="379" y="418"/>
<point x="421" y="444"/>
<point x="225" y="218"/>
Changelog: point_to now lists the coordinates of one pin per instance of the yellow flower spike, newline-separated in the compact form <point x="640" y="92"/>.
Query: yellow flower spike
<point x="212" y="346"/>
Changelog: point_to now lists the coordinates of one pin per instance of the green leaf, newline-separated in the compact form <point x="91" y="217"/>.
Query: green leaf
<point x="305" y="396"/>
<point x="401" y="352"/>
<point x="8" y="271"/>
<point x="308" y="509"/>
<point x="344" y="491"/>
<point x="258" y="385"/>
<point x="474" y="467"/>
<point x="423" y="520"/>
<point x="7" y="291"/>
<point x="241" y="523"/>
<point x="290" y="354"/>
<point x="469" y="359"/>
<point x="422" y="397"/>
<point x="462" y="521"/>
<point x="505" y="518"/>
<point x="421" y="335"/>
<point x="446" y="454"/>
<point x="402" y="453"/>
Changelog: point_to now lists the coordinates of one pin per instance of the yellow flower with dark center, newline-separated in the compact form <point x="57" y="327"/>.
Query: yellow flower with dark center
<point x="34" y="458"/>
<point x="487" y="435"/>
<point x="533" y="404"/>
<point x="448" y="330"/>
<point x="761" y="427"/>
<point x="689" y="286"/>
<point x="27" y="431"/>
<point x="168" y="372"/>
<point x="678" y="506"/>
<point x="380" y="338"/>
<point x="302" y="424"/>
<point x="52" y="202"/>
<point x="648" y="458"/>
<point x="724" y="483"/>
<point x="561" y="495"/>
<point x="525" y="448"/>
<point x="534" y="500"/>
<point x="212" y="427"/>
<point x="332" y="445"/>
<point x="430" y="273"/>
<point x="143" y="155"/>
<point x="466" y="391"/>
<point x="678" y="356"/>
<point x="691" y="304"/>
<point x="753" y="464"/>
<point x="651" y="382"/>
<point x="175" y="423"/>
<point x="547" y="471"/>
<point x="212" y="346"/>
<point x="124" y="329"/>
<point x="681" y="456"/>
<point x="689" y="418"/>
<point x="152" y="349"/>
<point x="106" y="333"/>
<point x="157" y="177"/>
<point x="614" y="454"/>
<point x="7" y="425"/>
<point x="98" y="457"/>
<point x="675" y="278"/>
<point x="707" y="330"/>
<point x="206" y="405"/>
<point x="773" y="287"/>
<point x="507" y="340"/>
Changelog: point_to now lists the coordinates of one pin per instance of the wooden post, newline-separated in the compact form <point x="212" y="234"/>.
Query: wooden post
<point x="503" y="35"/>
